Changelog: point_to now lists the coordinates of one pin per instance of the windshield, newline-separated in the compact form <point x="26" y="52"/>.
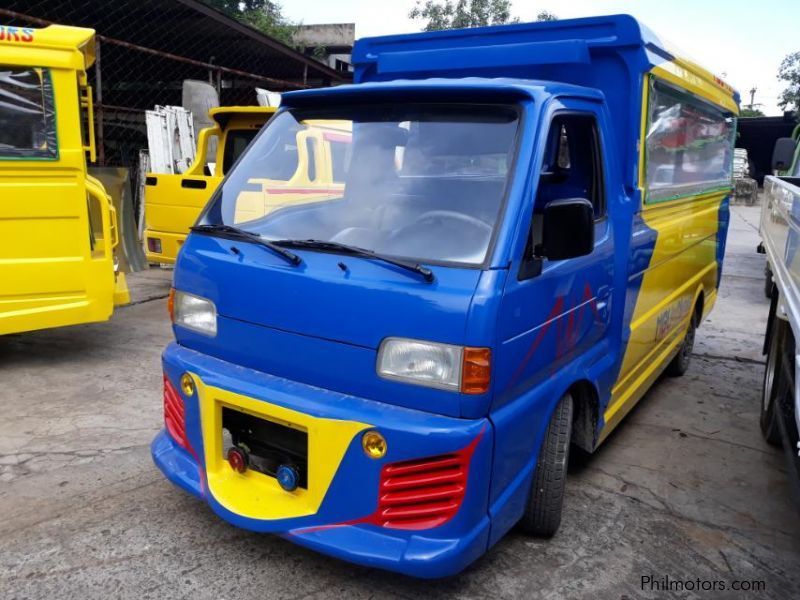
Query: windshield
<point x="414" y="181"/>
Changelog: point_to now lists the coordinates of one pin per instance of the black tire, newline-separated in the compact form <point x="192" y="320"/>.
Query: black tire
<point x="768" y="282"/>
<point x="680" y="362"/>
<point x="542" y="515"/>
<point x="773" y="384"/>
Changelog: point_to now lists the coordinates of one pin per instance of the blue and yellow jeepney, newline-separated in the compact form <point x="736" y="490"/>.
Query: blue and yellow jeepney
<point x="531" y="227"/>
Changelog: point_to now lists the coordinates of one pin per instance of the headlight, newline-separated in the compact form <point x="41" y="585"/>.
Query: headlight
<point x="195" y="313"/>
<point x="424" y="363"/>
<point x="444" y="366"/>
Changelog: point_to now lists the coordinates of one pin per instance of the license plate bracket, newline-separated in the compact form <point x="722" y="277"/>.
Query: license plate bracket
<point x="268" y="444"/>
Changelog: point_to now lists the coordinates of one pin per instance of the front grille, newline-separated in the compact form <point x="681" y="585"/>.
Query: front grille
<point x="424" y="493"/>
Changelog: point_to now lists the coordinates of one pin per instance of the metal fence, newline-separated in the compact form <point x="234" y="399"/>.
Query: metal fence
<point x="146" y="48"/>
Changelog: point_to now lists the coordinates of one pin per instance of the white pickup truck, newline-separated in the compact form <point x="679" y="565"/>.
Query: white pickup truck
<point x="780" y="234"/>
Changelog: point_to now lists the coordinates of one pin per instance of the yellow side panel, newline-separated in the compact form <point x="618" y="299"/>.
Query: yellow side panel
<point x="49" y="275"/>
<point x="171" y="208"/>
<point x="682" y="267"/>
<point x="257" y="496"/>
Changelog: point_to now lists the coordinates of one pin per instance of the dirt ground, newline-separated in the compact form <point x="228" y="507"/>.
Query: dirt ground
<point x="685" y="489"/>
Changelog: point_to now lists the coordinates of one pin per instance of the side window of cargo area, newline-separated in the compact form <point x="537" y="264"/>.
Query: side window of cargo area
<point x="572" y="166"/>
<point x="27" y="114"/>
<point x="688" y="148"/>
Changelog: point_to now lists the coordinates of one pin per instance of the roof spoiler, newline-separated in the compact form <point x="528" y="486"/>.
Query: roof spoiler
<point x="54" y="45"/>
<point x="472" y="58"/>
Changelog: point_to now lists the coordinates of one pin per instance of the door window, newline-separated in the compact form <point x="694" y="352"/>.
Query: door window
<point x="27" y="114"/>
<point x="572" y="166"/>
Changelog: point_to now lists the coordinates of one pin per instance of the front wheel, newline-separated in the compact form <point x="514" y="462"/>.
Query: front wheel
<point x="542" y="515"/>
<point x="680" y="363"/>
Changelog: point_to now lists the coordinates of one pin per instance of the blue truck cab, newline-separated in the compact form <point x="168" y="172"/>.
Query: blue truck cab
<point x="531" y="228"/>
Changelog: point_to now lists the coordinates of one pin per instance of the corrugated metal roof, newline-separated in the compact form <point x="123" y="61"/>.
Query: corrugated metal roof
<point x="185" y="28"/>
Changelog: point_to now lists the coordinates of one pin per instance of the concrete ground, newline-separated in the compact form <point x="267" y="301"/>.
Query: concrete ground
<point x="685" y="489"/>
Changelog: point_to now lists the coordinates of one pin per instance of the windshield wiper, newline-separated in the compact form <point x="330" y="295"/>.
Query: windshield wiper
<point x="234" y="233"/>
<point x="312" y="244"/>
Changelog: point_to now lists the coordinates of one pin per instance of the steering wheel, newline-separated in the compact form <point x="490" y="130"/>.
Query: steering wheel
<point x="436" y="215"/>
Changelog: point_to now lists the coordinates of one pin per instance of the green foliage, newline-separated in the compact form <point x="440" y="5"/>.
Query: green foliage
<point x="546" y="16"/>
<point x="264" y="15"/>
<point x="789" y="72"/>
<point x="751" y="112"/>
<point x="456" y="14"/>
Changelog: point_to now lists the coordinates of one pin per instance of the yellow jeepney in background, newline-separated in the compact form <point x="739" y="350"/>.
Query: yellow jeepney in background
<point x="58" y="226"/>
<point x="173" y="201"/>
<point x="315" y="172"/>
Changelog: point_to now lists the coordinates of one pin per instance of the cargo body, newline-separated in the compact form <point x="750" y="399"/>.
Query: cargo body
<point x="530" y="228"/>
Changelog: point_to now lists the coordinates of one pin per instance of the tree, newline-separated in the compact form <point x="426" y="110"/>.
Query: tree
<point x="751" y="112"/>
<point x="546" y="16"/>
<point x="264" y="15"/>
<point x="455" y="14"/>
<point x="789" y="72"/>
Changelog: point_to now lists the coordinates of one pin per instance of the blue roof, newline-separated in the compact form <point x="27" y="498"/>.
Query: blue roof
<point x="513" y="50"/>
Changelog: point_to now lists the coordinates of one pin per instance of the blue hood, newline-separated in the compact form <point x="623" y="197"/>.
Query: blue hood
<point x="321" y="324"/>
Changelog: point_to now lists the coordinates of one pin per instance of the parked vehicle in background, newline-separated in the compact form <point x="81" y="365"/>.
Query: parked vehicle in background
<point x="173" y="201"/>
<point x="745" y="188"/>
<point x="310" y="172"/>
<point x="529" y="228"/>
<point x="788" y="160"/>
<point x="780" y="233"/>
<point x="58" y="226"/>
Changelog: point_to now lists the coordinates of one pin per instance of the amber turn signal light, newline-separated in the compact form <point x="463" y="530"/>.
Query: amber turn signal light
<point x="476" y="370"/>
<point x="171" y="304"/>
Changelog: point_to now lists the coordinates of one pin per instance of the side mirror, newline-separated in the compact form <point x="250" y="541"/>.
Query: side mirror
<point x="783" y="154"/>
<point x="567" y="229"/>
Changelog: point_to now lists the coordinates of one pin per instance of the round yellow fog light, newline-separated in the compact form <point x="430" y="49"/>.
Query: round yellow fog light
<point x="374" y="444"/>
<point x="187" y="384"/>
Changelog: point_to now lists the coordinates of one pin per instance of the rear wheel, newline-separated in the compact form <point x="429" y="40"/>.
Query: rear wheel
<point x="773" y="383"/>
<point x="546" y="499"/>
<point x="680" y="363"/>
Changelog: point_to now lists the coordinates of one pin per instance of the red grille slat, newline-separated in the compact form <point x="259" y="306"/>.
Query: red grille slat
<point x="417" y="466"/>
<point x="410" y="496"/>
<point x="427" y="479"/>
<point x="427" y="510"/>
<point x="171" y="415"/>
<point x="417" y="523"/>
<point x="174" y="405"/>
